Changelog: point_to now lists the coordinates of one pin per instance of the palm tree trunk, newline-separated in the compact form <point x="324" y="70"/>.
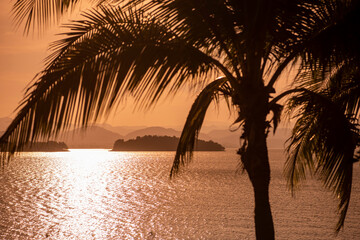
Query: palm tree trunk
<point x="254" y="155"/>
<point x="264" y="225"/>
<point x="258" y="169"/>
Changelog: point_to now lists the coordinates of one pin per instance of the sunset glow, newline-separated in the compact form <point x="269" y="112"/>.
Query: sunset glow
<point x="197" y="119"/>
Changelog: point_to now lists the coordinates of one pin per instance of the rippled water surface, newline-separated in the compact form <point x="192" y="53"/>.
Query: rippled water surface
<point x="96" y="194"/>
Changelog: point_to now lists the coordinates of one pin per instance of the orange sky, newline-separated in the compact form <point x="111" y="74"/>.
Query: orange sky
<point x="21" y="57"/>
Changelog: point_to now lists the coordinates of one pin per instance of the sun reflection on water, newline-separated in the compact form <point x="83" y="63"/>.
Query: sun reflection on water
<point x="86" y="189"/>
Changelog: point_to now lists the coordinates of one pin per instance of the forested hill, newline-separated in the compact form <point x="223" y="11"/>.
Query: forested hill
<point x="50" y="146"/>
<point x="161" y="143"/>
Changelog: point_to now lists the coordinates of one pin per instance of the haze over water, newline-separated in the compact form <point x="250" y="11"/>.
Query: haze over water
<point x="96" y="194"/>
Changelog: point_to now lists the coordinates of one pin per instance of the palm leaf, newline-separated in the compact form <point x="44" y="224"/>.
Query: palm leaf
<point x="321" y="146"/>
<point x="40" y="12"/>
<point x="334" y="39"/>
<point x="194" y="122"/>
<point x="105" y="57"/>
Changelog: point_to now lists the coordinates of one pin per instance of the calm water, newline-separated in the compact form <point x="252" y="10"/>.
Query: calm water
<point x="96" y="194"/>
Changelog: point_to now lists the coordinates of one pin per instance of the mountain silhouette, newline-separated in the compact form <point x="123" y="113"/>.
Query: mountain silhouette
<point x="232" y="139"/>
<point x="91" y="137"/>
<point x="122" y="130"/>
<point x="104" y="135"/>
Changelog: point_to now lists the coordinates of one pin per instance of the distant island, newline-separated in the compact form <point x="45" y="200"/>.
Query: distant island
<point x="161" y="143"/>
<point x="50" y="146"/>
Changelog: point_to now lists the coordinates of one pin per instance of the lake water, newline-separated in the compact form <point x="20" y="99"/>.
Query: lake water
<point x="96" y="194"/>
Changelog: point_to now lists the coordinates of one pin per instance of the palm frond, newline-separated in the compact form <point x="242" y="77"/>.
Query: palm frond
<point x="276" y="110"/>
<point x="40" y="12"/>
<point x="105" y="57"/>
<point x="345" y="85"/>
<point x="194" y="122"/>
<point x="334" y="38"/>
<point x="323" y="141"/>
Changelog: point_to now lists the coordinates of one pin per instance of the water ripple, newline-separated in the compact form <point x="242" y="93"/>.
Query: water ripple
<point x="96" y="194"/>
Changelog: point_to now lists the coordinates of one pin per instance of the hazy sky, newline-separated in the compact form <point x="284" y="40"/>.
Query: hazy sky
<point x="21" y="57"/>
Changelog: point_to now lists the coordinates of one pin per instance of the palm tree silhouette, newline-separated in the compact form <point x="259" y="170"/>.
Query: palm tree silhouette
<point x="237" y="50"/>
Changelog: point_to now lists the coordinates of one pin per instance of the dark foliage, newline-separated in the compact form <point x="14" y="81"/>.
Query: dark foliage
<point x="49" y="146"/>
<point x="162" y="143"/>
